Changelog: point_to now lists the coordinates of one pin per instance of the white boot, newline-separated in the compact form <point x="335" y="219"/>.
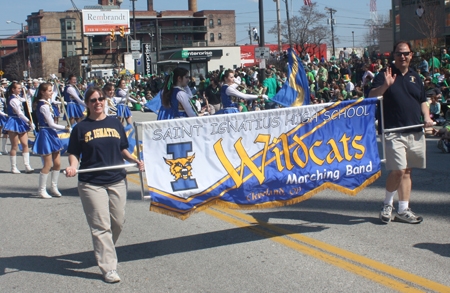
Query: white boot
<point x="26" y="162"/>
<point x="42" y="191"/>
<point x="4" y="141"/>
<point x="14" y="169"/>
<point x="54" y="189"/>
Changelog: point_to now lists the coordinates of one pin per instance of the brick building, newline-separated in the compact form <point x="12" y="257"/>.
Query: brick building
<point x="165" y="30"/>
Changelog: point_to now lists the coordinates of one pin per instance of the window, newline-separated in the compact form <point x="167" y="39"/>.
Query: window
<point x="69" y="25"/>
<point x="219" y="36"/>
<point x="219" y="22"/>
<point x="184" y="37"/>
<point x="189" y="37"/>
<point x="175" y="37"/>
<point x="183" y="23"/>
<point x="188" y="23"/>
<point x="63" y="26"/>
<point x="73" y="25"/>
<point x="69" y="43"/>
<point x="70" y="53"/>
<point x="175" y="23"/>
<point x="211" y="37"/>
<point x="211" y="23"/>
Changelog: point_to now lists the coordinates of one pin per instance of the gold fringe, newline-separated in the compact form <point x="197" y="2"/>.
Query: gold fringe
<point x="266" y="205"/>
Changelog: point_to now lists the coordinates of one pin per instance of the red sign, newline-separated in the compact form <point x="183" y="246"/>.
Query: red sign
<point x="248" y="52"/>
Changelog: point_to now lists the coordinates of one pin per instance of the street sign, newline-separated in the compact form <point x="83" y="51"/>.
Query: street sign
<point x="36" y="39"/>
<point x="84" y="60"/>
<point x="135" y="45"/>
<point x="146" y="58"/>
<point x="1" y="73"/>
<point x="136" y="55"/>
<point x="262" y="52"/>
<point x="25" y="74"/>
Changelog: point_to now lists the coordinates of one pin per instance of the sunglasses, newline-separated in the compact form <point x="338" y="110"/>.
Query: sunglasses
<point x="399" y="54"/>
<point x="100" y="99"/>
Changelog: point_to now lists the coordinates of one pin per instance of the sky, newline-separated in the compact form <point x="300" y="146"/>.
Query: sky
<point x="350" y="15"/>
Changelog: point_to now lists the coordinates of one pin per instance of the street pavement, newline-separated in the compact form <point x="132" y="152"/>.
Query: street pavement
<point x="332" y="242"/>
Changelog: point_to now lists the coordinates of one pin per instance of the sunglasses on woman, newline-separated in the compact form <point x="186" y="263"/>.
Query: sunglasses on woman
<point x="100" y="99"/>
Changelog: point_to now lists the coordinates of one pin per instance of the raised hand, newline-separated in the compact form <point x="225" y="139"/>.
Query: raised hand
<point x="389" y="79"/>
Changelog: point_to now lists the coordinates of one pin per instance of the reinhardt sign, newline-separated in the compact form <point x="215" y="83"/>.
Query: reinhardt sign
<point x="100" y="22"/>
<point x="260" y="159"/>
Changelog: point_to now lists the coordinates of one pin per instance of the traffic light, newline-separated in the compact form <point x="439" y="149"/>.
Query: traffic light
<point x="113" y="36"/>
<point x="122" y="31"/>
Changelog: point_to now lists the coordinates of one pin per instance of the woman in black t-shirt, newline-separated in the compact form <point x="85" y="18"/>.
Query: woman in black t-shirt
<point x="101" y="141"/>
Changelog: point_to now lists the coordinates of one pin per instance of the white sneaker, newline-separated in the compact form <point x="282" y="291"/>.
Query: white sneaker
<point x="112" y="277"/>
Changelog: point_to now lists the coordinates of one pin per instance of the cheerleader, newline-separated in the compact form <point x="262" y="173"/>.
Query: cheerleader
<point x="111" y="101"/>
<point x="122" y="108"/>
<point x="17" y="126"/>
<point x="47" y="143"/>
<point x="3" y="120"/>
<point x="75" y="104"/>
<point x="229" y="90"/>
<point x="176" y="95"/>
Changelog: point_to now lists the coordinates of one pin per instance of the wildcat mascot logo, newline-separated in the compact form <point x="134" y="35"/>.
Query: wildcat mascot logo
<point x="181" y="166"/>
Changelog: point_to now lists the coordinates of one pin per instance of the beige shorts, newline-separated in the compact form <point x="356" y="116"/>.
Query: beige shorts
<point x="405" y="150"/>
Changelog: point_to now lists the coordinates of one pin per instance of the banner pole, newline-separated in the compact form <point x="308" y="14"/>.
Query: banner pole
<point x="105" y="168"/>
<point x="404" y="128"/>
<point x="136" y="137"/>
<point x="383" y="139"/>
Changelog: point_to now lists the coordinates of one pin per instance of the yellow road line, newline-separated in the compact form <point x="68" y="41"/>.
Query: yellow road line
<point x="341" y="252"/>
<point x="386" y="281"/>
<point x="327" y="247"/>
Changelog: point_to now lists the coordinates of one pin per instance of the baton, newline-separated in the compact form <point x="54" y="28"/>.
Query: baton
<point x="104" y="168"/>
<point x="63" y="106"/>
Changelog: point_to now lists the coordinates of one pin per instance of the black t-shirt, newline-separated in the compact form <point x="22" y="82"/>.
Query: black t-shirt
<point x="100" y="144"/>
<point x="402" y="100"/>
<point x="213" y="95"/>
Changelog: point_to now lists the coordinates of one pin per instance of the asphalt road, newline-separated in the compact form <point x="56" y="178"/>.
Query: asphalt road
<point x="330" y="243"/>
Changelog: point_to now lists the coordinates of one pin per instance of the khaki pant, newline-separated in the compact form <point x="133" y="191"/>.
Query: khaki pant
<point x="214" y="108"/>
<point x="104" y="206"/>
<point x="405" y="150"/>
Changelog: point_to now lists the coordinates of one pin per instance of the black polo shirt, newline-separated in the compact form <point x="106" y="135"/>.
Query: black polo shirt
<point x="402" y="100"/>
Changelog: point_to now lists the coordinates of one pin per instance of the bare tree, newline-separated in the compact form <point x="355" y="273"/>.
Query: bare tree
<point x="72" y="65"/>
<point x="15" y="68"/>
<point x="427" y="21"/>
<point x="372" y="37"/>
<point x="308" y="30"/>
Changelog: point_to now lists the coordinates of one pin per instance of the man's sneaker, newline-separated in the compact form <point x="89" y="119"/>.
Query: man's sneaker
<point x="112" y="277"/>
<point x="408" y="217"/>
<point x="386" y="213"/>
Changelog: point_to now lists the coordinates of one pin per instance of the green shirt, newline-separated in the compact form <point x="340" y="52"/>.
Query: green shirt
<point x="437" y="63"/>
<point x="244" y="107"/>
<point x="324" y="76"/>
<point x="271" y="85"/>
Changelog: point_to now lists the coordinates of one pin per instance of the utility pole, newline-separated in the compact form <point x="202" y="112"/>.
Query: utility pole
<point x="288" y="23"/>
<point x="262" y="64"/>
<point x="134" y="35"/>
<point x="353" y="34"/>
<point x="332" y="27"/>
<point x="278" y="25"/>
<point x="250" y="33"/>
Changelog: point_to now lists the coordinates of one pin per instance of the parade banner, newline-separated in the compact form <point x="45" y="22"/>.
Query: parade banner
<point x="260" y="159"/>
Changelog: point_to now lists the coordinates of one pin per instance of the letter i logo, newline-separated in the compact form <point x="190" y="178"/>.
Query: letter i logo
<point x="181" y="166"/>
